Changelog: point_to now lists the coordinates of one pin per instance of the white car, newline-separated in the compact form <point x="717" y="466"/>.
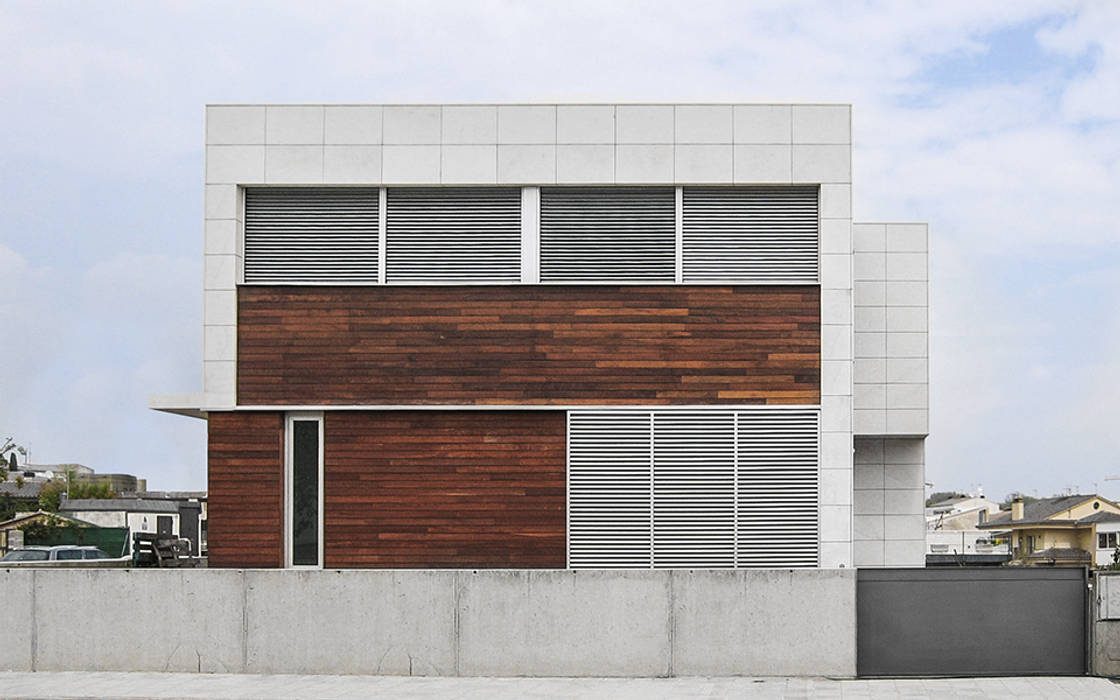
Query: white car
<point x="65" y="552"/>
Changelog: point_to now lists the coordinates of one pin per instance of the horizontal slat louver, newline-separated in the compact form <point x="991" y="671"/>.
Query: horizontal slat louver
<point x="609" y="490"/>
<point x="696" y="489"/>
<point x="616" y="234"/>
<point x="751" y="234"/>
<point x="453" y="234"/>
<point x="298" y="235"/>
<point x="777" y="472"/>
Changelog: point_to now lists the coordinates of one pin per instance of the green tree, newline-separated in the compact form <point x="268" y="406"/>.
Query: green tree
<point x="50" y="496"/>
<point x="1006" y="504"/>
<point x="7" y="507"/>
<point x="939" y="496"/>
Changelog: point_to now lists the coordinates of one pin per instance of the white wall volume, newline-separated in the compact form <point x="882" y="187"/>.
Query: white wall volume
<point x="891" y="329"/>
<point x="889" y="527"/>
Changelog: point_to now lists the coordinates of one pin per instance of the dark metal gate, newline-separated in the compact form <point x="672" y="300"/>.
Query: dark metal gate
<point x="971" y="622"/>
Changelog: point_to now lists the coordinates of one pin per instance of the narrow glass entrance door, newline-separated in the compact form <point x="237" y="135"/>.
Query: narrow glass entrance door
<point x="304" y="488"/>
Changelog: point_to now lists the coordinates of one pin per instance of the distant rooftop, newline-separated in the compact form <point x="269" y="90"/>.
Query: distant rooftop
<point x="1036" y="512"/>
<point x="130" y="505"/>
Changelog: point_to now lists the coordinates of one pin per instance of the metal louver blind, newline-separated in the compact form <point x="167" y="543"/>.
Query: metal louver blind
<point x="754" y="234"/>
<point x="699" y="489"/>
<point x="616" y="234"/>
<point x="453" y="234"/>
<point x="609" y="506"/>
<point x="694" y="490"/>
<point x="297" y="235"/>
<point x="777" y="474"/>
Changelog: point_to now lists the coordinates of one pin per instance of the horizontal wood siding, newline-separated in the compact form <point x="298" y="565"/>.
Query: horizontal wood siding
<point x="541" y="344"/>
<point x="439" y="489"/>
<point x="246" y="487"/>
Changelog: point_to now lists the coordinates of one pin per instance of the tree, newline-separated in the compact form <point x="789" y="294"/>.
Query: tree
<point x="7" y="507"/>
<point x="50" y="496"/>
<point x="939" y="496"/>
<point x="1006" y="504"/>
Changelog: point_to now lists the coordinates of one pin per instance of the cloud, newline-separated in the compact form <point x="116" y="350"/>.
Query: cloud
<point x="998" y="123"/>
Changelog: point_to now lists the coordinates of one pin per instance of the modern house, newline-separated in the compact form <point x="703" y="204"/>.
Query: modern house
<point x="1073" y="530"/>
<point x="556" y="335"/>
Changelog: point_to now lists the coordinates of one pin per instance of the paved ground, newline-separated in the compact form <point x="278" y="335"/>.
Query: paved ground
<point x="195" y="685"/>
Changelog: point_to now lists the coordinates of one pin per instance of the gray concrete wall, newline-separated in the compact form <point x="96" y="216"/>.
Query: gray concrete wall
<point x="1104" y="653"/>
<point x="438" y="623"/>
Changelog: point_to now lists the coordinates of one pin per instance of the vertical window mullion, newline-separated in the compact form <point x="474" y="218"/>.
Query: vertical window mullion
<point x="381" y="249"/>
<point x="679" y="244"/>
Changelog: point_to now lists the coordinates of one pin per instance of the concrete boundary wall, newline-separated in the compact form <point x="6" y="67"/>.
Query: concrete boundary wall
<point x="433" y="623"/>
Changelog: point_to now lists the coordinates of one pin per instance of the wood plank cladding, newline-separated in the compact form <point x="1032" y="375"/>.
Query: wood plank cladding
<point x="540" y="344"/>
<point x="246" y="489"/>
<point x="444" y="489"/>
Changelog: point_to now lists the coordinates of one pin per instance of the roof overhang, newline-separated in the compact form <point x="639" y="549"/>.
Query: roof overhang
<point x="191" y="405"/>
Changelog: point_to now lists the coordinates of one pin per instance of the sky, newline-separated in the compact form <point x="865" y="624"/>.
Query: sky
<point x="997" y="123"/>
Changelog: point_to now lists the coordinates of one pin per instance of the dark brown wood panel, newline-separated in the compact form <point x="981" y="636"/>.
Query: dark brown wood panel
<point x="444" y="489"/>
<point x="246" y="489"/>
<point x="538" y="344"/>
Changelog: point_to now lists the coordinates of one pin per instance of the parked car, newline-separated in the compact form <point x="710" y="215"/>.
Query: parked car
<point x="65" y="552"/>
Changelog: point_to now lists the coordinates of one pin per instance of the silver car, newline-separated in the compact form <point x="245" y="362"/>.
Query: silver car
<point x="64" y="552"/>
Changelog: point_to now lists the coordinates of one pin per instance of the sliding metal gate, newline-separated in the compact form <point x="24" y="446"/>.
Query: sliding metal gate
<point x="970" y="622"/>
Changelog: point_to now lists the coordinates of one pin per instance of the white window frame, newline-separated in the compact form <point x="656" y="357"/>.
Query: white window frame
<point x="289" y="419"/>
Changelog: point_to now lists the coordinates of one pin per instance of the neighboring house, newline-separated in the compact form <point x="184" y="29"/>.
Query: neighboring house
<point x="136" y="514"/>
<point x="109" y="540"/>
<point x="192" y="513"/>
<point x="556" y="336"/>
<point x="1076" y="529"/>
<point x="26" y="492"/>
<point x="962" y="513"/>
<point x="953" y="537"/>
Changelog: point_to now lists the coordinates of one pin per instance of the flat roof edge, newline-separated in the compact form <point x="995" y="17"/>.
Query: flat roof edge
<point x="190" y="405"/>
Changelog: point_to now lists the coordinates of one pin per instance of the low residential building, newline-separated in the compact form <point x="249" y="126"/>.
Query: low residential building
<point x="137" y="514"/>
<point x="961" y="513"/>
<point x="953" y="537"/>
<point x="192" y="514"/>
<point x="42" y="528"/>
<point x="1063" y="530"/>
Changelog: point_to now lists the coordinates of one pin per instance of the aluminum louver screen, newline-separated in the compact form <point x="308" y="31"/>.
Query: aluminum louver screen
<point x="609" y="490"/>
<point x="694" y="490"/>
<point x="297" y="235"/>
<point x="698" y="489"/>
<point x="453" y="234"/>
<point x="617" y="234"/>
<point x="777" y="474"/>
<point x="754" y="234"/>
